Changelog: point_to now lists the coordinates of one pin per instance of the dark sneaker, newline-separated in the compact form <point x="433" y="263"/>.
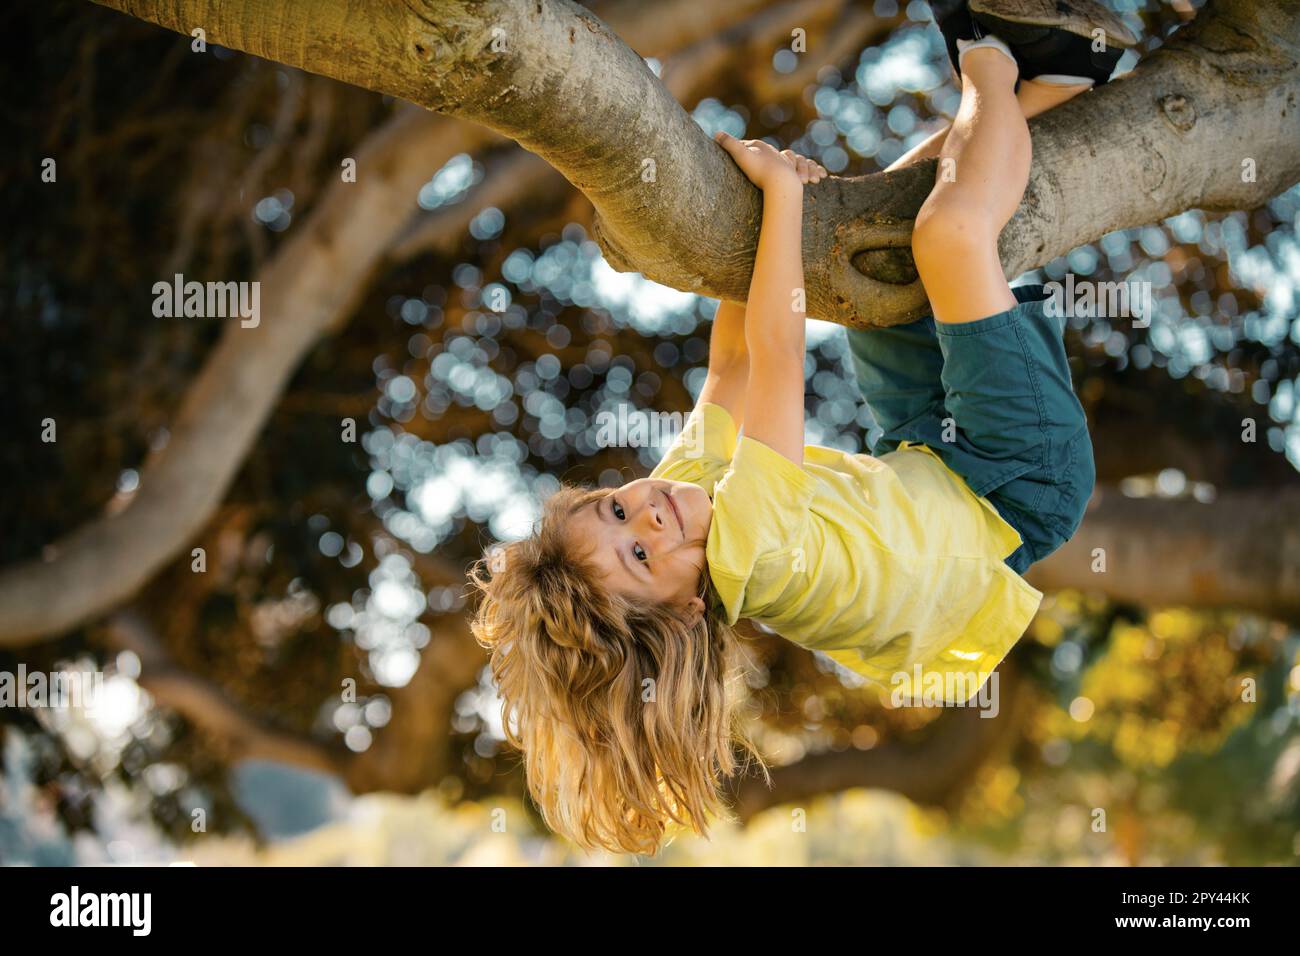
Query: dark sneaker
<point x="1046" y="36"/>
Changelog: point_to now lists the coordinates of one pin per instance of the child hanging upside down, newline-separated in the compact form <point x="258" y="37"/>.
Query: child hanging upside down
<point x="611" y="627"/>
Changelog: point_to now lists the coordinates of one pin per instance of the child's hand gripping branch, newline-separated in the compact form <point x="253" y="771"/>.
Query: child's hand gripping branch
<point x="766" y="166"/>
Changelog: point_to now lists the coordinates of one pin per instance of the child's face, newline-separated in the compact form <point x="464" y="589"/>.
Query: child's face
<point x="648" y="539"/>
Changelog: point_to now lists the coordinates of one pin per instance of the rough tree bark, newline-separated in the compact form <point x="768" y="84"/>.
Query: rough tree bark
<point x="1222" y="91"/>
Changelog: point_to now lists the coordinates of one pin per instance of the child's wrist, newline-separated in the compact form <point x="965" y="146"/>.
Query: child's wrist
<point x="784" y="200"/>
<point x="784" y="193"/>
<point x="785" y="184"/>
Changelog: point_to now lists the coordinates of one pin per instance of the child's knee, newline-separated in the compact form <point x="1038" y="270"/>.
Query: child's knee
<point x="948" y="229"/>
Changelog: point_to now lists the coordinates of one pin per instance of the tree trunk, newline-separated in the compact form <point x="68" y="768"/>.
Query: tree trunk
<point x="1208" y="120"/>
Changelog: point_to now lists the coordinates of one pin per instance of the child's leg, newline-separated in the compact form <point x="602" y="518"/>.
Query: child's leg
<point x="899" y="368"/>
<point x="983" y="171"/>
<point x="1034" y="98"/>
<point x="1021" y="438"/>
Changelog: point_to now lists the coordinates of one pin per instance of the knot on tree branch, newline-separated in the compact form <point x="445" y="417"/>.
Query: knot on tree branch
<point x="892" y="266"/>
<point x="862" y="265"/>
<point x="1179" y="111"/>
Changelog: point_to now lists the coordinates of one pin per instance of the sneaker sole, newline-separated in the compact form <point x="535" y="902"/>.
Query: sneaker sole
<point x="1080" y="17"/>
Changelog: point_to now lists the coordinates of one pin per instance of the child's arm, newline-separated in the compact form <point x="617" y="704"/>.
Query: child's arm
<point x="728" y="373"/>
<point x="774" y="318"/>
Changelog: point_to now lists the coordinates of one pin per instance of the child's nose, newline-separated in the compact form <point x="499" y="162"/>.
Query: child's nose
<point x="653" y="519"/>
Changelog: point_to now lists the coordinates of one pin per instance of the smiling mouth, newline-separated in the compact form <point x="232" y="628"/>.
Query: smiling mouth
<point x="676" y="514"/>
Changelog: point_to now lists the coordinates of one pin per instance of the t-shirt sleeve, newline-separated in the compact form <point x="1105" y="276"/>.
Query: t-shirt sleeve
<point x="760" y="514"/>
<point x="703" y="448"/>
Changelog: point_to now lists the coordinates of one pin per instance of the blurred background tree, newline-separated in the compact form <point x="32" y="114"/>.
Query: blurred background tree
<point x="451" y="303"/>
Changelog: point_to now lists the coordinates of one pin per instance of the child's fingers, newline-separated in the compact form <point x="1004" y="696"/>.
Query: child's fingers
<point x="727" y="141"/>
<point x="752" y="155"/>
<point x="735" y="147"/>
<point x="799" y="164"/>
<point x="796" y="162"/>
<point x="809" y="170"/>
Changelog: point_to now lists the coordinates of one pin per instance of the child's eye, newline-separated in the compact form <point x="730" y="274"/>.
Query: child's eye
<point x="617" y="509"/>
<point x="638" y="552"/>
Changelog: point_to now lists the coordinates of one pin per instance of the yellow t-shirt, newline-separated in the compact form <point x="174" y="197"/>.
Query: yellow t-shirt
<point x="884" y="564"/>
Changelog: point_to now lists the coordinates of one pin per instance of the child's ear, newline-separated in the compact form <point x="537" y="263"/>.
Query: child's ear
<point x="694" y="610"/>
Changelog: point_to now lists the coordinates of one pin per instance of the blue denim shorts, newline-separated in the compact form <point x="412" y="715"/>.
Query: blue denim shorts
<point x="993" y="398"/>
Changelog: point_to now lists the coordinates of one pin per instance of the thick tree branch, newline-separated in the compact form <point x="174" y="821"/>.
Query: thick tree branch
<point x="410" y="754"/>
<point x="932" y="771"/>
<point x="211" y="709"/>
<point x="1175" y="135"/>
<point x="687" y="75"/>
<point x="1243" y="551"/>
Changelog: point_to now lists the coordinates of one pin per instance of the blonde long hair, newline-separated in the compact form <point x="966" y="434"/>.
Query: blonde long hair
<point x="625" y="713"/>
